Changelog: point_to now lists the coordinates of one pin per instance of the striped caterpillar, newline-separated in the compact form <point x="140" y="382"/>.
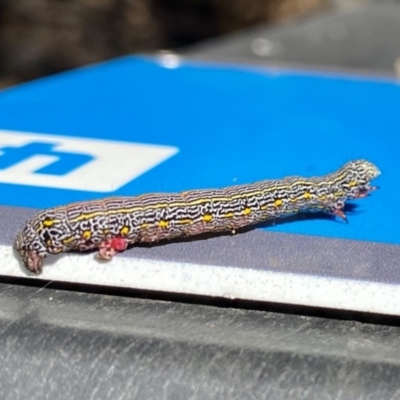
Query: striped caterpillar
<point x="111" y="224"/>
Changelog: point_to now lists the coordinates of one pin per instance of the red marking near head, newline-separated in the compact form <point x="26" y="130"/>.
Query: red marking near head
<point x="110" y="247"/>
<point x="118" y="244"/>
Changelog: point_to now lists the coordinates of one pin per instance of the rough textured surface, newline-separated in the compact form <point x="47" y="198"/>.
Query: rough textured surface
<point x="62" y="345"/>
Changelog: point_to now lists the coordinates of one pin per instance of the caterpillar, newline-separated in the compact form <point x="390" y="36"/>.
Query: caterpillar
<point x="111" y="224"/>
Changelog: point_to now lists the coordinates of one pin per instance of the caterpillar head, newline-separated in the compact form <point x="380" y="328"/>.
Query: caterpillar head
<point x="358" y="177"/>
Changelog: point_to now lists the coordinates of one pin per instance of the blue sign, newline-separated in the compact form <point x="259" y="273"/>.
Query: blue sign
<point x="64" y="163"/>
<point x="139" y="125"/>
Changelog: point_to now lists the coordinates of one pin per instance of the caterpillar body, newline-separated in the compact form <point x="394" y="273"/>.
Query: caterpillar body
<point x="111" y="224"/>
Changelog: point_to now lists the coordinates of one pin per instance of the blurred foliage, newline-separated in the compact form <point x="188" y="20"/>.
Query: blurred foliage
<point x="41" y="37"/>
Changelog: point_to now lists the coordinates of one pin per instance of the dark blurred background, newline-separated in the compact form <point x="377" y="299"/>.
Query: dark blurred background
<point x="41" y="37"/>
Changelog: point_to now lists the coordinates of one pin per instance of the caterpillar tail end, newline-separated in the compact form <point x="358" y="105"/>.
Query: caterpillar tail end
<point x="110" y="247"/>
<point x="32" y="258"/>
<point x="32" y="261"/>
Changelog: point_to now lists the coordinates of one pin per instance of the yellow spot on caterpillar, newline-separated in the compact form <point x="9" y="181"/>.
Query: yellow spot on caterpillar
<point x="278" y="202"/>
<point x="86" y="234"/>
<point x="105" y="231"/>
<point x="307" y="195"/>
<point x="49" y="242"/>
<point x="263" y="207"/>
<point x="207" y="218"/>
<point x="48" y="222"/>
<point x="124" y="230"/>
<point x="247" y="211"/>
<point x="163" y="224"/>
<point x="68" y="240"/>
<point x="229" y="215"/>
<point x="144" y="226"/>
<point x="352" y="183"/>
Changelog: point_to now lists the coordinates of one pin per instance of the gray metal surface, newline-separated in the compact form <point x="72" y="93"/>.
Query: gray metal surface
<point x="66" y="345"/>
<point x="361" y="38"/>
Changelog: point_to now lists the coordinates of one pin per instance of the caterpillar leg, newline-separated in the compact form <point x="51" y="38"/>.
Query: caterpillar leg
<point x="108" y="248"/>
<point x="337" y="210"/>
<point x="340" y="213"/>
<point x="364" y="192"/>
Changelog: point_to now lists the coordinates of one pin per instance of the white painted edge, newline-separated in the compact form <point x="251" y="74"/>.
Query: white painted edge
<point x="213" y="280"/>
